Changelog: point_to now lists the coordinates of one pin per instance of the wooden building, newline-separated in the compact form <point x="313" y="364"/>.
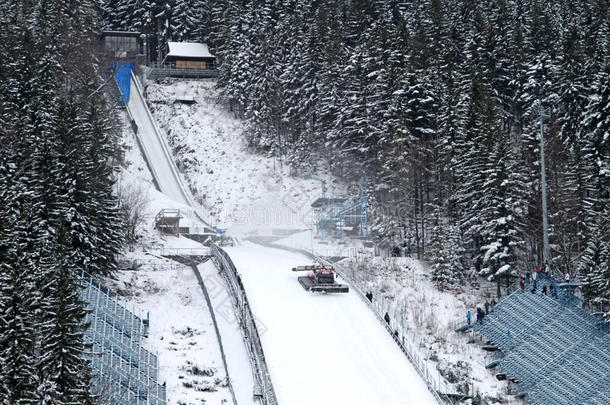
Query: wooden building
<point x="189" y="55"/>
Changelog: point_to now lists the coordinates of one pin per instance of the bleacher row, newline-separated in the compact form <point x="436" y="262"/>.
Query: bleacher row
<point x="556" y="351"/>
<point x="124" y="372"/>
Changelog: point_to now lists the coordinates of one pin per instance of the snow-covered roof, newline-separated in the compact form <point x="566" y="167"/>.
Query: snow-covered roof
<point x="189" y="50"/>
<point x="121" y="33"/>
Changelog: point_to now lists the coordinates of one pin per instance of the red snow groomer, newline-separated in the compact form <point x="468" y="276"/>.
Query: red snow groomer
<point x="320" y="279"/>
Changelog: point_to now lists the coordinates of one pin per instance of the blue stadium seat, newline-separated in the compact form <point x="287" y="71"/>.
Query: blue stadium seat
<point x="556" y="351"/>
<point x="123" y="370"/>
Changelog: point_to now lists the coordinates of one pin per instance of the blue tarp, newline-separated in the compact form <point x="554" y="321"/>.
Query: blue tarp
<point x="123" y="77"/>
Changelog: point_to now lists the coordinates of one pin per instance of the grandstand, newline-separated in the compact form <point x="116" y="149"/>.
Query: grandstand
<point x="124" y="372"/>
<point x="557" y="352"/>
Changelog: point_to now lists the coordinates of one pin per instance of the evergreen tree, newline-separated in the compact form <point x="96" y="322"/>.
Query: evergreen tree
<point x="445" y="254"/>
<point x="594" y="267"/>
<point x="18" y="298"/>
<point x="64" y="371"/>
<point x="502" y="214"/>
<point x="56" y="199"/>
<point x="596" y="144"/>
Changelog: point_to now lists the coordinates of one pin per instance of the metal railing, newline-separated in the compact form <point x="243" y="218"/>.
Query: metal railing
<point x="263" y="384"/>
<point x="164" y="251"/>
<point x="158" y="70"/>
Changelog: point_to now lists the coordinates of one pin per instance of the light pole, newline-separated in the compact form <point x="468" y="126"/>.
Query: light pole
<point x="545" y="221"/>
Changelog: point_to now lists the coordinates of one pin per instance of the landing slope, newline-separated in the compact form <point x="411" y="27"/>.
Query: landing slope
<point x="322" y="349"/>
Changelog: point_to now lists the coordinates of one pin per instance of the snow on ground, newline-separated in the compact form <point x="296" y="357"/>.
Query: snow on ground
<point x="235" y="350"/>
<point x="327" y="247"/>
<point x="322" y="348"/>
<point x="181" y="330"/>
<point x="240" y="189"/>
<point x="432" y="316"/>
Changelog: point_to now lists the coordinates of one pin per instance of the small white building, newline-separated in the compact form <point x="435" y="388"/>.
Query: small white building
<point x="189" y="55"/>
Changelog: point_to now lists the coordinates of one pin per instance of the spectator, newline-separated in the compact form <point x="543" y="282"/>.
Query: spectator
<point x="567" y="277"/>
<point x="387" y="318"/>
<point x="544" y="289"/>
<point x="369" y="296"/>
<point x="492" y="304"/>
<point x="395" y="251"/>
<point x="536" y="273"/>
<point x="553" y="290"/>
<point x="480" y="315"/>
<point x="468" y="316"/>
<point x="527" y="276"/>
<point x="522" y="284"/>
<point x="535" y="286"/>
<point x="486" y="307"/>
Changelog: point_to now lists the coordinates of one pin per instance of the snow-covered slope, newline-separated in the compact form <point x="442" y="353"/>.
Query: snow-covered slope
<point x="240" y="189"/>
<point x="322" y="349"/>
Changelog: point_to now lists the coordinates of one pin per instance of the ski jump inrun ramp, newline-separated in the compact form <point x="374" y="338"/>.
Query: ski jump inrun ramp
<point x="155" y="150"/>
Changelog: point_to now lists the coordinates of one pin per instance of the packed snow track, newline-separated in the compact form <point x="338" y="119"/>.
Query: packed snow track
<point x="155" y="151"/>
<point x="322" y="348"/>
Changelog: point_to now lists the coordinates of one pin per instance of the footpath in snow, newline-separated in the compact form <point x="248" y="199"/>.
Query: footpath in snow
<point x="322" y="348"/>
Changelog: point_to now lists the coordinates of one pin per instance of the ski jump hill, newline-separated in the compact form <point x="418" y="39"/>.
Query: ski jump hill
<point x="319" y="349"/>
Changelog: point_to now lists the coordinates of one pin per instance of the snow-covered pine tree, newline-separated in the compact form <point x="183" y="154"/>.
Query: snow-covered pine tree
<point x="445" y="255"/>
<point x="596" y="144"/>
<point x="236" y="52"/>
<point x="332" y="83"/>
<point x="262" y="82"/>
<point x="594" y="267"/>
<point x="352" y="125"/>
<point x="102" y="205"/>
<point x="502" y="213"/>
<point x="470" y="160"/>
<point x="181" y="21"/>
<point x="18" y="297"/>
<point x="63" y="369"/>
<point x="131" y="15"/>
